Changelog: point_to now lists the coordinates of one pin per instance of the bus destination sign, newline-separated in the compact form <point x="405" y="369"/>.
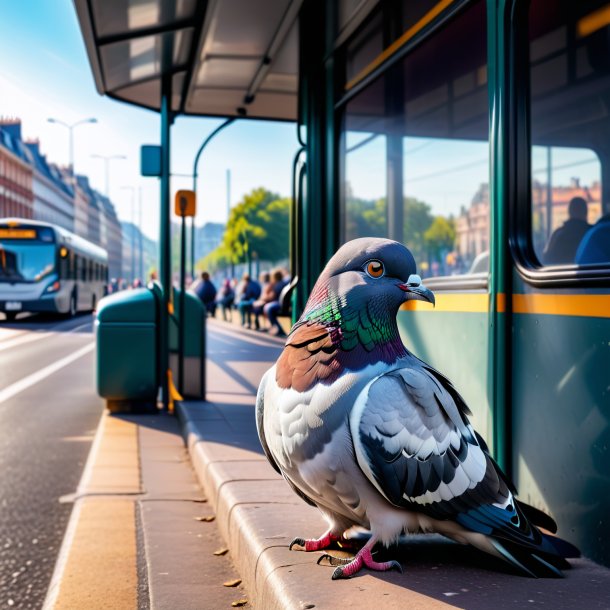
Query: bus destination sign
<point x="17" y="233"/>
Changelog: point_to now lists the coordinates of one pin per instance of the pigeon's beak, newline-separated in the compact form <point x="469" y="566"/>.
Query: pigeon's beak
<point x="416" y="291"/>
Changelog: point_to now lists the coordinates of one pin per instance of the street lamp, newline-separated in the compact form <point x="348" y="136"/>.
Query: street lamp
<point x="70" y="129"/>
<point x="107" y="159"/>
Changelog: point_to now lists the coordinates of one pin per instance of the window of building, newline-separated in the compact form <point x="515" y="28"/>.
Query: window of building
<point x="416" y="151"/>
<point x="569" y="88"/>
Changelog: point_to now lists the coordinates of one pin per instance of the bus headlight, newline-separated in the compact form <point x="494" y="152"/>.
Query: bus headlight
<point x="54" y="287"/>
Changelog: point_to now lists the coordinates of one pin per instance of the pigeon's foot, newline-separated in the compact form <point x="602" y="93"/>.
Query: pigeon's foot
<point x="364" y="558"/>
<point x="314" y="545"/>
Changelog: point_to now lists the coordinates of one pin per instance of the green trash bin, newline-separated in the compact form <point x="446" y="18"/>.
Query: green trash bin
<point x="194" y="345"/>
<point x="127" y="350"/>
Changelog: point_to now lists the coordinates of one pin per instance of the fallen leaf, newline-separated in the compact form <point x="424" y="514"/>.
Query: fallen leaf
<point x="239" y="603"/>
<point x="206" y="518"/>
<point x="221" y="552"/>
<point x="232" y="583"/>
<point x="201" y="500"/>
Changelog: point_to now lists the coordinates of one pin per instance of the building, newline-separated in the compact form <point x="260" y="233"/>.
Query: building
<point x="81" y="209"/>
<point x="102" y="227"/>
<point x="16" y="172"/>
<point x="53" y="190"/>
<point x="472" y="227"/>
<point x="111" y="237"/>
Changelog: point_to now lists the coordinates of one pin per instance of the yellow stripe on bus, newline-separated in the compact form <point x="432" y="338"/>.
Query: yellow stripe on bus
<point x="589" y="305"/>
<point x="475" y="302"/>
<point x="434" y="12"/>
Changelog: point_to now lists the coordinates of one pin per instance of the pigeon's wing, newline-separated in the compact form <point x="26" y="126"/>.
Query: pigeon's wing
<point x="308" y="357"/>
<point x="260" y="411"/>
<point x="413" y="441"/>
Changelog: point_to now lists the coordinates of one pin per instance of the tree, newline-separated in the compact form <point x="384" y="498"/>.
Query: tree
<point x="417" y="220"/>
<point x="259" y="223"/>
<point x="440" y="237"/>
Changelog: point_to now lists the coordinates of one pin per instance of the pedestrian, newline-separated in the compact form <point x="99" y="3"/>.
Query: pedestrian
<point x="273" y="307"/>
<point x="249" y="290"/>
<point x="206" y="291"/>
<point x="225" y="298"/>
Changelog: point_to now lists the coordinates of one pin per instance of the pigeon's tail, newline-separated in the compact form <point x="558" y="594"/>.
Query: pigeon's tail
<point x="546" y="561"/>
<point x="538" y="517"/>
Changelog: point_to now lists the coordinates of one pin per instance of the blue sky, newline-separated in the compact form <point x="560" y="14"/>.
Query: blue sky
<point x="44" y="72"/>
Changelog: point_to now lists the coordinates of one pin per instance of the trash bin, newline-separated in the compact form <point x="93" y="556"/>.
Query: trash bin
<point x="194" y="345"/>
<point x="127" y="351"/>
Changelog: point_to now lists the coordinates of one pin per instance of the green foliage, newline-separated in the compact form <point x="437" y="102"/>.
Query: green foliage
<point x="257" y="224"/>
<point x="366" y="218"/>
<point x="440" y="237"/>
<point x="417" y="220"/>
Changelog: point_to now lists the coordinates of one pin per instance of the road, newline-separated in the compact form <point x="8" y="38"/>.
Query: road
<point x="48" y="416"/>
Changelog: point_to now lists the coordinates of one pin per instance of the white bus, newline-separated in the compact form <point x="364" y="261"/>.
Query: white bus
<point x="46" y="268"/>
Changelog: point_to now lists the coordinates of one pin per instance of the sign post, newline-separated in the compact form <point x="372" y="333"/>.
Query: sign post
<point x="185" y="205"/>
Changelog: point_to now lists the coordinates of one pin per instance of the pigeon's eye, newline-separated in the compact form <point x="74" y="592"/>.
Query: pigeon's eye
<point x="375" y="269"/>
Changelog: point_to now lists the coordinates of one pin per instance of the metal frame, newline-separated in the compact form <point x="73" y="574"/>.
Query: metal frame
<point x="517" y="85"/>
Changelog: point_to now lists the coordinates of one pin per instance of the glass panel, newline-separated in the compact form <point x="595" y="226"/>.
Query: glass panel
<point x="119" y="16"/>
<point x="140" y="58"/>
<point x="364" y="47"/>
<point x="25" y="263"/>
<point x="569" y="92"/>
<point x="365" y="188"/>
<point x="416" y="155"/>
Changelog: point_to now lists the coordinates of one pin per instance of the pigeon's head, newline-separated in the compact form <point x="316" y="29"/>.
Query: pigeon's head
<point x="374" y="268"/>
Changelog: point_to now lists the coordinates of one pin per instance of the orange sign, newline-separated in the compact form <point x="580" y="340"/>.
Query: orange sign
<point x="17" y="233"/>
<point x="185" y="203"/>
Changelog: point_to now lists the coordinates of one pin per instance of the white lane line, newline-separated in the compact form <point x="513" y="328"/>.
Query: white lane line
<point x="7" y="334"/>
<point x="66" y="545"/>
<point x="22" y="340"/>
<point x="33" y="336"/>
<point x="34" y="378"/>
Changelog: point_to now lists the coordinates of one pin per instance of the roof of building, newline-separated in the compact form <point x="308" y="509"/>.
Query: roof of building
<point x="49" y="170"/>
<point x="224" y="58"/>
<point x="11" y="140"/>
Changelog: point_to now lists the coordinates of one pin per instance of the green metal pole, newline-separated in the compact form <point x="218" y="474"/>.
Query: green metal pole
<point x="182" y="320"/>
<point x="165" y="269"/>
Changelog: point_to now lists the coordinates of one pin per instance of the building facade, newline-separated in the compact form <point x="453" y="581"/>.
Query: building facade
<point x="53" y="192"/>
<point x="16" y="172"/>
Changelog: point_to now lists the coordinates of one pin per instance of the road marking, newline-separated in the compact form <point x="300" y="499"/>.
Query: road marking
<point x="38" y="376"/>
<point x="98" y="556"/>
<point x="28" y="337"/>
<point x="23" y="340"/>
<point x="8" y="334"/>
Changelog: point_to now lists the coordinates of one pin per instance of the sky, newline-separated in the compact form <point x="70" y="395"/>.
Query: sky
<point x="45" y="73"/>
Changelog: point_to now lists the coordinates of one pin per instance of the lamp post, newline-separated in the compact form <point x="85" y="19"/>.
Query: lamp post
<point x="107" y="159"/>
<point x="70" y="127"/>
<point x="195" y="163"/>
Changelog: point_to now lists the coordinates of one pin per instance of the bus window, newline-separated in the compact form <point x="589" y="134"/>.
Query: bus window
<point x="416" y="151"/>
<point x="569" y="55"/>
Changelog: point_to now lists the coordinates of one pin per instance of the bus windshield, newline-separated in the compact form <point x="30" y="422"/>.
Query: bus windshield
<point x="29" y="262"/>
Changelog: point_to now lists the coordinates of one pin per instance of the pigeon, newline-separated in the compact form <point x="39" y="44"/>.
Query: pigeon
<point x="374" y="437"/>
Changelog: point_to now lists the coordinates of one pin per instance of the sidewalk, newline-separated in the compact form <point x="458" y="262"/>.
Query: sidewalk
<point x="258" y="515"/>
<point x="137" y="537"/>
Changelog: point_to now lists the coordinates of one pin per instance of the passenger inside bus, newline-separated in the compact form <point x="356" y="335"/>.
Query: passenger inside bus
<point x="564" y="242"/>
<point x="595" y="246"/>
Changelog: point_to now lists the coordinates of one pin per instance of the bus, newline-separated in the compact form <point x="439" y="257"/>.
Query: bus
<point x="44" y="268"/>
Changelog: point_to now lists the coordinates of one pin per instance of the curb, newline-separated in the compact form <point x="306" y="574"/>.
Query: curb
<point x="256" y="513"/>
